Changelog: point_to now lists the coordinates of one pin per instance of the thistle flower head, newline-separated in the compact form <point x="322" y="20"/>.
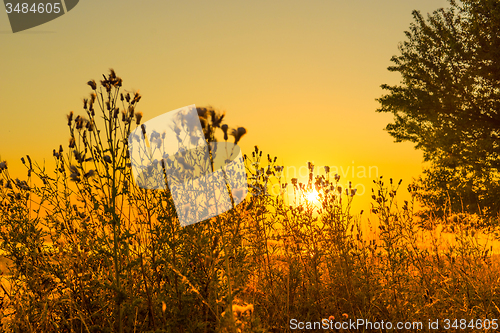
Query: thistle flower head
<point x="74" y="177"/>
<point x="184" y="164"/>
<point x="136" y="99"/>
<point x="238" y="133"/>
<point x="92" y="84"/>
<point x="90" y="125"/>
<point x="217" y="118"/>
<point x="202" y="112"/>
<point x="80" y="122"/>
<point x="74" y="169"/>
<point x="224" y="129"/>
<point x="70" y="118"/>
<point x="89" y="174"/>
<point x="138" y="117"/>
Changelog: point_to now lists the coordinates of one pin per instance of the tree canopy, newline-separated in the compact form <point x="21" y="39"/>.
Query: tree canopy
<point x="448" y="102"/>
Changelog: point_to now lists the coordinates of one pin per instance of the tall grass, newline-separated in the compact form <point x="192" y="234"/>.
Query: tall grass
<point x="86" y="250"/>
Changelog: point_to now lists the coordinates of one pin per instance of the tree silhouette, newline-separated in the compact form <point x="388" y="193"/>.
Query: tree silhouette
<point x="448" y="103"/>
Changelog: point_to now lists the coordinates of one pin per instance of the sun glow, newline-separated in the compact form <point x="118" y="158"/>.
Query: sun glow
<point x="312" y="196"/>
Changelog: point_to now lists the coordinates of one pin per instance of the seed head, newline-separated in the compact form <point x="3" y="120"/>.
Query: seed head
<point x="202" y="112"/>
<point x="217" y="118"/>
<point x="92" y="84"/>
<point x="74" y="169"/>
<point x="74" y="177"/>
<point x="183" y="162"/>
<point x="90" y="125"/>
<point x="137" y="98"/>
<point x="70" y="118"/>
<point x="89" y="174"/>
<point x="238" y="133"/>
<point x="138" y="117"/>
<point x="224" y="128"/>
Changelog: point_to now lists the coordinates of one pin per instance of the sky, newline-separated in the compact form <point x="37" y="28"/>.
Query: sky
<point x="301" y="76"/>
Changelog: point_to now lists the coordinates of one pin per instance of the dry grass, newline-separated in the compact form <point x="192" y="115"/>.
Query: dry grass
<point x="85" y="250"/>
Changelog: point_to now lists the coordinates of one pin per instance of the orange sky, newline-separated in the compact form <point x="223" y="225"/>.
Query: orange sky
<point x="301" y="76"/>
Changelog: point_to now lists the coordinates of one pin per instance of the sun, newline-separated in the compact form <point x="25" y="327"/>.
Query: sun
<point x="312" y="196"/>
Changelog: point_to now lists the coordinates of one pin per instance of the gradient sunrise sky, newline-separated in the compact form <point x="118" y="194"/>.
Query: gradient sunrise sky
<point x="301" y="76"/>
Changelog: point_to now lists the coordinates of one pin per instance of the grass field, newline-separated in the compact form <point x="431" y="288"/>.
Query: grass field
<point x="84" y="249"/>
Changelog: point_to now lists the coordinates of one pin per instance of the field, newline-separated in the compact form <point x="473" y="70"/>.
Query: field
<point x="86" y="250"/>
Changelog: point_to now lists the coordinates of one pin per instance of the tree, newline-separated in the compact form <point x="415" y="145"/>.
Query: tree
<point x="448" y="103"/>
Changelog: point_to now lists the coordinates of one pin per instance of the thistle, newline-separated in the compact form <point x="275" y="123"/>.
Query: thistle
<point x="238" y="133"/>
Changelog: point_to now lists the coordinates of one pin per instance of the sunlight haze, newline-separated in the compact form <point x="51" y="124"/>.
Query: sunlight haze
<point x="301" y="76"/>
